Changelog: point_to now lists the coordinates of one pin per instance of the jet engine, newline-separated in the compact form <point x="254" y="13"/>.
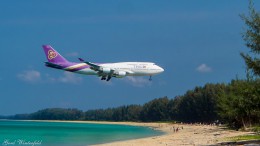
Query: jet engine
<point x="106" y="70"/>
<point x="120" y="74"/>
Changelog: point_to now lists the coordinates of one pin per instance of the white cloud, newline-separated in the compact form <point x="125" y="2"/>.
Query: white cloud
<point x="138" y="81"/>
<point x="30" y="76"/>
<point x="203" y="68"/>
<point x="70" y="78"/>
<point x="49" y="78"/>
<point x="67" y="77"/>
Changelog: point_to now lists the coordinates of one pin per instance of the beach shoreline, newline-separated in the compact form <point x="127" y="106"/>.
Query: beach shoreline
<point x="178" y="134"/>
<point x="174" y="134"/>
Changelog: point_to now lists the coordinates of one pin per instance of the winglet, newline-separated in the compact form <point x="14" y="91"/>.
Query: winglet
<point x="80" y="59"/>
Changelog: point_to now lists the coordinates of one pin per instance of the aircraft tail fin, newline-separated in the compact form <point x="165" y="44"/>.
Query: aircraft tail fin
<point x="53" y="56"/>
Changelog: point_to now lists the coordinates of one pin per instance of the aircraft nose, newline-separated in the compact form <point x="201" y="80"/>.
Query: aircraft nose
<point x="161" y="69"/>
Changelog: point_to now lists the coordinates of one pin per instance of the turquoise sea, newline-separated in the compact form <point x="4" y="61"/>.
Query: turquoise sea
<point x="31" y="133"/>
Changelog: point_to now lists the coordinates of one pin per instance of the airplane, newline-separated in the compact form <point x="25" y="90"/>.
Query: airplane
<point x="104" y="70"/>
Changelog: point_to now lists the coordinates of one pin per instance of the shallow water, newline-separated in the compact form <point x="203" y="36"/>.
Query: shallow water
<point x="63" y="133"/>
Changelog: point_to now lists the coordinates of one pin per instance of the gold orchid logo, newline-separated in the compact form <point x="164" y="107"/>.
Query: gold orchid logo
<point x="51" y="54"/>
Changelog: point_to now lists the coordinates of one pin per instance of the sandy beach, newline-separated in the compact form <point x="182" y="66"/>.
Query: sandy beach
<point x="187" y="134"/>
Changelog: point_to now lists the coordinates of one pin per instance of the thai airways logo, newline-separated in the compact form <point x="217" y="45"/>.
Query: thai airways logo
<point x="51" y="54"/>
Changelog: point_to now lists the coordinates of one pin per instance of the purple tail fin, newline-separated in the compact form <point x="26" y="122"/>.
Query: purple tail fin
<point x="52" y="55"/>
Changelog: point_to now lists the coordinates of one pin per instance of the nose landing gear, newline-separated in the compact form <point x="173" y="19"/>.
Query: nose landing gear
<point x="150" y="79"/>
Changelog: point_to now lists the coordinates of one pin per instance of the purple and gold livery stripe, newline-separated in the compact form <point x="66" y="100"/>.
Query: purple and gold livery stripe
<point x="77" y="67"/>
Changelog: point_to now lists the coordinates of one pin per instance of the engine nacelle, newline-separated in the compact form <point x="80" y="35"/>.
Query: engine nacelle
<point x="106" y="70"/>
<point x="120" y="74"/>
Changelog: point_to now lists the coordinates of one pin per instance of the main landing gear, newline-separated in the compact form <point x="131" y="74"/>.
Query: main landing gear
<point x="103" y="78"/>
<point x="106" y="78"/>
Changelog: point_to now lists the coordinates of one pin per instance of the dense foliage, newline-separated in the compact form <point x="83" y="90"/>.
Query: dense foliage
<point x="122" y="113"/>
<point x="236" y="103"/>
<point x="240" y="104"/>
<point x="57" y="114"/>
<point x="198" y="105"/>
<point x="252" y="40"/>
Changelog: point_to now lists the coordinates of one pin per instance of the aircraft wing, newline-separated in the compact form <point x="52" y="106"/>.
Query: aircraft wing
<point x="104" y="71"/>
<point x="93" y="66"/>
<point x="97" y="67"/>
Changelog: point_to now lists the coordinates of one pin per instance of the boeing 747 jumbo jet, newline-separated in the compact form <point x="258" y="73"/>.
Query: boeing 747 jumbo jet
<point x="104" y="70"/>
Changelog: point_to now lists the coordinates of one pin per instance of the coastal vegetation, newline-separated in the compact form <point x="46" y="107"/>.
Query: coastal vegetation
<point x="251" y="37"/>
<point x="244" y="137"/>
<point x="236" y="103"/>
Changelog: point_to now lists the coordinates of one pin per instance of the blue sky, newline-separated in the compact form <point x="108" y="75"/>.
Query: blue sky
<point x="196" y="42"/>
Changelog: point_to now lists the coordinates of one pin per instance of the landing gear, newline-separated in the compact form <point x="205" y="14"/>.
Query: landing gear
<point x="150" y="79"/>
<point x="103" y="78"/>
<point x="108" y="78"/>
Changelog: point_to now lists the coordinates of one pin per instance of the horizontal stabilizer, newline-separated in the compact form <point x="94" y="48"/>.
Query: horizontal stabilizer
<point x="49" y="64"/>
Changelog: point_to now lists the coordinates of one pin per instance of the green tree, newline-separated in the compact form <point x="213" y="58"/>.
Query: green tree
<point x="133" y="112"/>
<point x="240" y="104"/>
<point x="252" y="39"/>
<point x="57" y="114"/>
<point x="155" y="110"/>
<point x="198" y="105"/>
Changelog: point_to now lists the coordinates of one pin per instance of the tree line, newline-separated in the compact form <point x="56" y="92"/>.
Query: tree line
<point x="236" y="103"/>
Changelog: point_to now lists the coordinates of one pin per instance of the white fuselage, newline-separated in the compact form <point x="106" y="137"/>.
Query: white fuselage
<point x="132" y="68"/>
<point x="104" y="70"/>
